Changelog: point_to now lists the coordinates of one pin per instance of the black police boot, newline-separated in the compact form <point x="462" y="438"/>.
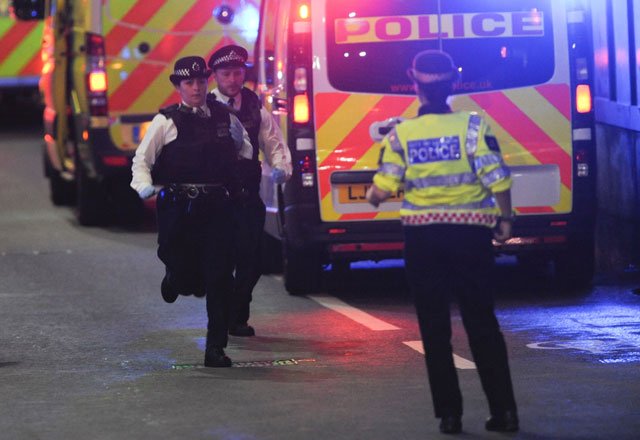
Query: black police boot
<point x="506" y="421"/>
<point x="242" y="330"/>
<point x="451" y="424"/>
<point x="215" y="357"/>
<point x="169" y="293"/>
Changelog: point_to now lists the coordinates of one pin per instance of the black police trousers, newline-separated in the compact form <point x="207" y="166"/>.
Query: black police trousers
<point x="195" y="244"/>
<point x="249" y="225"/>
<point x="443" y="260"/>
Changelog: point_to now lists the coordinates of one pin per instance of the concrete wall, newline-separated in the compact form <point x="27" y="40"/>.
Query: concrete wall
<point x="616" y="40"/>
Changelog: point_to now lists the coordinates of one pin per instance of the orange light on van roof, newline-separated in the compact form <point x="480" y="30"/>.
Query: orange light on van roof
<point x="583" y="98"/>
<point x="98" y="81"/>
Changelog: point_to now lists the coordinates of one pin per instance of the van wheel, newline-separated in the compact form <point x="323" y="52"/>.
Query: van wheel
<point x="271" y="254"/>
<point x="61" y="191"/>
<point x="91" y="207"/>
<point x="575" y="268"/>
<point x="302" y="271"/>
<point x="126" y="206"/>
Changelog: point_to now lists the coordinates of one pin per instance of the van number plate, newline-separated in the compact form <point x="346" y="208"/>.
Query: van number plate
<point x="356" y="193"/>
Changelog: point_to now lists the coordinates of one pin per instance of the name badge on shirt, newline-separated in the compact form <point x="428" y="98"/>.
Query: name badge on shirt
<point x="434" y="150"/>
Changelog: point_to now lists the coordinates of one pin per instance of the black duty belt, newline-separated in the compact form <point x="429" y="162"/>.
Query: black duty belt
<point x="195" y="190"/>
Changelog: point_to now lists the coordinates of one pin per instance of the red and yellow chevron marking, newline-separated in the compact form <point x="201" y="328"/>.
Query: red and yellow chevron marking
<point x="20" y="43"/>
<point x="343" y="141"/>
<point x="139" y="83"/>
<point x="532" y="125"/>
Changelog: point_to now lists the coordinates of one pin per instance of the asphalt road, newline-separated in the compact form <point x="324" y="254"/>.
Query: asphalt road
<point x="88" y="349"/>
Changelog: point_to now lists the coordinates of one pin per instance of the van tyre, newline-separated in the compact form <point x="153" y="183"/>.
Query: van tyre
<point x="270" y="255"/>
<point x="302" y="271"/>
<point x="61" y="191"/>
<point x="126" y="206"/>
<point x="575" y="267"/>
<point x="91" y="204"/>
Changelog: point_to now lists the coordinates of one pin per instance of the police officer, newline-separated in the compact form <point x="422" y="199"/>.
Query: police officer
<point x="229" y="70"/>
<point x="457" y="198"/>
<point x="189" y="153"/>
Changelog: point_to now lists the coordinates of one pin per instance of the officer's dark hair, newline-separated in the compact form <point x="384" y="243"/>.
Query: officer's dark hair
<point x="433" y="73"/>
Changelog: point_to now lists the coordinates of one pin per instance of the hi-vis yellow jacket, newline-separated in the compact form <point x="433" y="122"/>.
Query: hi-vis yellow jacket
<point x="450" y="164"/>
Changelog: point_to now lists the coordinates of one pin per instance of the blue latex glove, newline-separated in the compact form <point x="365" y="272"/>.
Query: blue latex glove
<point x="147" y="191"/>
<point x="278" y="176"/>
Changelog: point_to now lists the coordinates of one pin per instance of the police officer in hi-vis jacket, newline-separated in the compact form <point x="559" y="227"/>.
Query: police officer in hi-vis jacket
<point x="229" y="70"/>
<point x="190" y="154"/>
<point x="456" y="200"/>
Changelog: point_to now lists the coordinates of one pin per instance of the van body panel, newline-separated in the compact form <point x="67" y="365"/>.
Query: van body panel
<point x="520" y="62"/>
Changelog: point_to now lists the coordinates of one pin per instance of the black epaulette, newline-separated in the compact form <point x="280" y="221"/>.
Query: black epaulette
<point x="166" y="111"/>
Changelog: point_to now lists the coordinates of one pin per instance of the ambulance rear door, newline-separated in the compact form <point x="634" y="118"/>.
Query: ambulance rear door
<point x="143" y="39"/>
<point x="20" y="60"/>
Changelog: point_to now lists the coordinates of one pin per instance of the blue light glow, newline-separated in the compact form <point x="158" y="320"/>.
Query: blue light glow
<point x="604" y="333"/>
<point x="247" y="21"/>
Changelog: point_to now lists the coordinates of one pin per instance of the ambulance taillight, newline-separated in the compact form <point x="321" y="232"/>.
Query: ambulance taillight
<point x="96" y="75"/>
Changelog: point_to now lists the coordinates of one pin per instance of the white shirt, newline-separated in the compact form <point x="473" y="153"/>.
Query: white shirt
<point x="275" y="151"/>
<point x="162" y="131"/>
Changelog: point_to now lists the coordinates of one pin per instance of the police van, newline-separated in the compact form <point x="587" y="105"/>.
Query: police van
<point x="105" y="75"/>
<point x="333" y="73"/>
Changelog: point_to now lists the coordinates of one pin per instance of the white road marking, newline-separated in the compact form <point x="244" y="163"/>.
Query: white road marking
<point x="374" y="323"/>
<point x="352" y="313"/>
<point x="460" y="362"/>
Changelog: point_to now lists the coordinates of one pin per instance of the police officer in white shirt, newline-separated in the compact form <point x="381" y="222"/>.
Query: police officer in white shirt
<point x="229" y="70"/>
<point x="189" y="155"/>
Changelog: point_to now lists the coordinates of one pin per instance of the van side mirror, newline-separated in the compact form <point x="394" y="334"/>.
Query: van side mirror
<point x="28" y="9"/>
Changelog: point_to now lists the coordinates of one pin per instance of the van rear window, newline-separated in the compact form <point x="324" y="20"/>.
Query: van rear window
<point x="498" y="44"/>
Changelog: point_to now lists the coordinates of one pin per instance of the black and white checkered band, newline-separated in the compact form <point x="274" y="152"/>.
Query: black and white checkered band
<point x="181" y="72"/>
<point x="231" y="56"/>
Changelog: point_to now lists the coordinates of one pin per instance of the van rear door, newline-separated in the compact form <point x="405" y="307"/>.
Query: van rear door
<point x="507" y="53"/>
<point x="144" y="38"/>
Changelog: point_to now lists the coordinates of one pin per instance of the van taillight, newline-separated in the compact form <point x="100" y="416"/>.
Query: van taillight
<point x="97" y="82"/>
<point x="583" y="98"/>
<point x="303" y="11"/>
<point x="301" y="109"/>
<point x="96" y="75"/>
<point x="306" y="171"/>
<point x="582" y="162"/>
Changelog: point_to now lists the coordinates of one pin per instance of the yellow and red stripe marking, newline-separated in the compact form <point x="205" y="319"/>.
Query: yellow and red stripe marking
<point x="20" y="43"/>
<point x="532" y="125"/>
<point x="139" y="83"/>
<point x="163" y="54"/>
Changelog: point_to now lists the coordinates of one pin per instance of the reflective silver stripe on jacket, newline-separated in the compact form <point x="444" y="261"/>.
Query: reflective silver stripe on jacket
<point x="446" y="180"/>
<point x="392" y="169"/>
<point x="489" y="159"/>
<point x="495" y="175"/>
<point x="395" y="143"/>
<point x="487" y="202"/>
<point x="473" y="132"/>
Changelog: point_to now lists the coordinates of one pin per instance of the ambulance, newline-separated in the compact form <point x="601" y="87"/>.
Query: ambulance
<point x="20" y="60"/>
<point x="333" y="73"/>
<point x="105" y="75"/>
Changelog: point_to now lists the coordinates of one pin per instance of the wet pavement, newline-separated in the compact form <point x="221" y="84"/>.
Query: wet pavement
<point x="88" y="350"/>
